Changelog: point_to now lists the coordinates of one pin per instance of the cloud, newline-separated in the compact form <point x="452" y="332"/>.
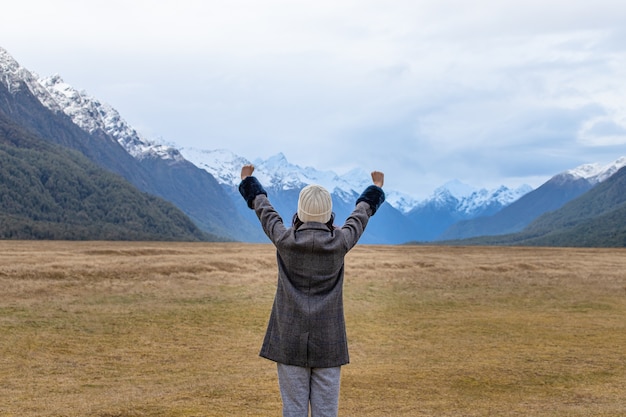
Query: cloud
<point x="603" y="131"/>
<point x="482" y="91"/>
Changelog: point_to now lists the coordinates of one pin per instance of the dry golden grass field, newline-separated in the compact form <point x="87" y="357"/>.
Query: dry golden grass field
<point x="173" y="329"/>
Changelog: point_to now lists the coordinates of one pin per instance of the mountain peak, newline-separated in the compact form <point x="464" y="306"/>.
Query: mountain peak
<point x="10" y="71"/>
<point x="595" y="172"/>
<point x="456" y="189"/>
<point x="279" y="158"/>
<point x="223" y="164"/>
<point x="14" y="77"/>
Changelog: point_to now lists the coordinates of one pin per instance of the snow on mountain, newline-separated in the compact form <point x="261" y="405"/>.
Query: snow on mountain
<point x="501" y="196"/>
<point x="596" y="173"/>
<point x="401" y="201"/>
<point x="12" y="75"/>
<point x="11" y="71"/>
<point x="275" y="171"/>
<point x="449" y="193"/>
<point x="469" y="201"/>
<point x="456" y="189"/>
<point x="220" y="163"/>
<point x="278" y="172"/>
<point x="92" y="115"/>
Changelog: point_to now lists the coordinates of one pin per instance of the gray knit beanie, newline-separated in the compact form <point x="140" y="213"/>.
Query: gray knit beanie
<point x="314" y="204"/>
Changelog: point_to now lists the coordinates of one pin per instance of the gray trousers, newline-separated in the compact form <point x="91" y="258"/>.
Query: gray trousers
<point x="301" y="387"/>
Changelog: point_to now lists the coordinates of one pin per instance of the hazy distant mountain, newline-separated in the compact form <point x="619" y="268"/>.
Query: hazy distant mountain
<point x="455" y="202"/>
<point x="284" y="180"/>
<point x="596" y="218"/>
<point x="392" y="225"/>
<point x="550" y="196"/>
<point x="275" y="172"/>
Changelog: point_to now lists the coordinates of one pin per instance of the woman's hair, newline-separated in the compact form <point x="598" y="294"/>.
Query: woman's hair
<point x="296" y="222"/>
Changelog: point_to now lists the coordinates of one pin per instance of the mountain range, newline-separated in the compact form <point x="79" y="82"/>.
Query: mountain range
<point x="550" y="196"/>
<point x="202" y="184"/>
<point x="596" y="218"/>
<point x="91" y="128"/>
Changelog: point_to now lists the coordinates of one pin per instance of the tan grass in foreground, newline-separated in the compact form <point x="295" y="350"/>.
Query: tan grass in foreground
<point x="173" y="329"/>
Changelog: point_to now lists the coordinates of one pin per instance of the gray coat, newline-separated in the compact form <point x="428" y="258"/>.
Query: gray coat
<point x="307" y="325"/>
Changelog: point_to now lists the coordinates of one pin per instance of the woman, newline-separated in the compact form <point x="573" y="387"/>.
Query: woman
<point x="306" y="334"/>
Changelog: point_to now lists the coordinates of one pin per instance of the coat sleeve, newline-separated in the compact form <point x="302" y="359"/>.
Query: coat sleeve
<point x="271" y="221"/>
<point x="374" y="196"/>
<point x="256" y="198"/>
<point x="249" y="188"/>
<point x="366" y="206"/>
<point x="355" y="225"/>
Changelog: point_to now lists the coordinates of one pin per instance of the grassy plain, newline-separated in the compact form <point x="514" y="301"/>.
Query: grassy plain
<point x="119" y="329"/>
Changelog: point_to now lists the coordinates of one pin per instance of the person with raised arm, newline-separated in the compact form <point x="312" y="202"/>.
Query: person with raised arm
<point x="306" y="333"/>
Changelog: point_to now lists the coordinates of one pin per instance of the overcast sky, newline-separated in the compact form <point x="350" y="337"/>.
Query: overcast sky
<point x="487" y="92"/>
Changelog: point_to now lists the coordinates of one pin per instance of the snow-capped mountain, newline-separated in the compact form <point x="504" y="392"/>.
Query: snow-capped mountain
<point x="456" y="201"/>
<point x="12" y="75"/>
<point x="274" y="172"/>
<point x="400" y="201"/>
<point x="61" y="115"/>
<point x="278" y="172"/>
<point x="220" y="163"/>
<point x="86" y="112"/>
<point x="550" y="196"/>
<point x="475" y="203"/>
<point x="452" y="202"/>
<point x="470" y="201"/>
<point x="92" y="115"/>
<point x="596" y="173"/>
